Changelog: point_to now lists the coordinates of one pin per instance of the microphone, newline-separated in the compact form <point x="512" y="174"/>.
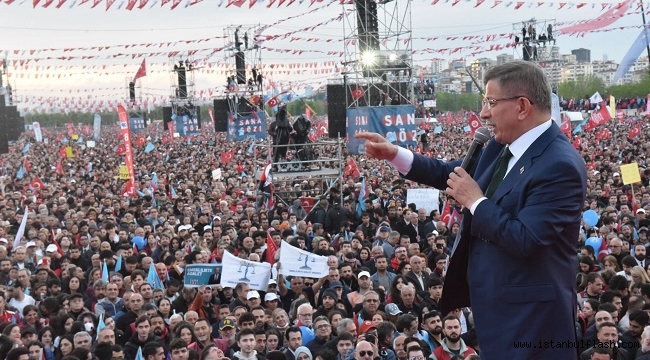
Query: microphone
<point x="481" y="136"/>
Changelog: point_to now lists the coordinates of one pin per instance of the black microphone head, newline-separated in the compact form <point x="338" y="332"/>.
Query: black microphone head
<point x="482" y="135"/>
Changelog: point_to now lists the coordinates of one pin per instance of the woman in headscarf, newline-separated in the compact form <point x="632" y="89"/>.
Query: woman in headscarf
<point x="302" y="353"/>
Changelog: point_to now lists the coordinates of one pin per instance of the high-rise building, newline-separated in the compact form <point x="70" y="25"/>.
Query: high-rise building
<point x="582" y="54"/>
<point x="504" y="58"/>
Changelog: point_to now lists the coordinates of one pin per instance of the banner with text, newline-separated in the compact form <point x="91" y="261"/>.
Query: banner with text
<point x="38" y="133"/>
<point x="251" y="126"/>
<point x="126" y="137"/>
<point x="396" y="123"/>
<point x="253" y="273"/>
<point x="97" y="127"/>
<point x="426" y="199"/>
<point x="187" y="125"/>
<point x="137" y="123"/>
<point x="297" y="262"/>
<point x="199" y="274"/>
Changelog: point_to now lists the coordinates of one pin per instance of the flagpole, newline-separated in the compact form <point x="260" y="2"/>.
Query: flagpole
<point x="645" y="33"/>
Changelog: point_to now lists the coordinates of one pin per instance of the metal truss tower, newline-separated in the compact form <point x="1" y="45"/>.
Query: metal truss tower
<point x="181" y="71"/>
<point x="244" y="77"/>
<point x="535" y="41"/>
<point x="378" y="57"/>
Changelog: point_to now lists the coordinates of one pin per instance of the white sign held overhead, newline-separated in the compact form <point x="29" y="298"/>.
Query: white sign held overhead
<point x="297" y="262"/>
<point x="424" y="198"/>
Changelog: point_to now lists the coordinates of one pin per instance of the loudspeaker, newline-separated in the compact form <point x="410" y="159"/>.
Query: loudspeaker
<point x="221" y="109"/>
<point x="197" y="109"/>
<point x="367" y="25"/>
<point x="12" y="120"/>
<point x="240" y="64"/>
<point x="4" y="144"/>
<point x="132" y="91"/>
<point x="182" y="83"/>
<point x="336" y="109"/>
<point x="166" y="116"/>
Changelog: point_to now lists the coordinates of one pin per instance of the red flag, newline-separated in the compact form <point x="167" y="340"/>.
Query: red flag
<point x="604" y="250"/>
<point x="26" y="165"/>
<point x="121" y="149"/>
<point x="227" y="156"/>
<point x="620" y="114"/>
<point x="474" y="123"/>
<point x="357" y="93"/>
<point x="142" y="71"/>
<point x="307" y="203"/>
<point x="455" y="217"/>
<point x="577" y="143"/>
<point x="636" y="131"/>
<point x="566" y="126"/>
<point x="601" y="115"/>
<point x="351" y="169"/>
<point x="271" y="249"/>
<point x="59" y="167"/>
<point x="273" y="102"/>
<point x="240" y="168"/>
<point x="446" y="213"/>
<point x="141" y="141"/>
<point x="37" y="183"/>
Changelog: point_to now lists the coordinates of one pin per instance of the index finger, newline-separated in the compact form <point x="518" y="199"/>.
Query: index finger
<point x="368" y="136"/>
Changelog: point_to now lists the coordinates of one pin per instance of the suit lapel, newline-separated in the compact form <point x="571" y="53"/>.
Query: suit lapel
<point x="525" y="162"/>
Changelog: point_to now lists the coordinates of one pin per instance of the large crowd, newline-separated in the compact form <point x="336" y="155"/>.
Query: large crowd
<point x="387" y="263"/>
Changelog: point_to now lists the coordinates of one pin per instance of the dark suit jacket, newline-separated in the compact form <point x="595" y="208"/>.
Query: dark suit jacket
<point x="515" y="257"/>
<point x="422" y="291"/>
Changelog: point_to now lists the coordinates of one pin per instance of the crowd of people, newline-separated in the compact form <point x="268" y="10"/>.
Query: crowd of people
<point x="387" y="263"/>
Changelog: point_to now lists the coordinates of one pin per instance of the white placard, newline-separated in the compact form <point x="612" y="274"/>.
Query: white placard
<point x="424" y="198"/>
<point x="236" y="270"/>
<point x="297" y="262"/>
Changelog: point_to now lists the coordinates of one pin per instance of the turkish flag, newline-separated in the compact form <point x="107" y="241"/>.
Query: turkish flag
<point x="566" y="126"/>
<point x="26" y="165"/>
<point x="636" y="131"/>
<point x="577" y="142"/>
<point x="273" y="102"/>
<point x="601" y="115"/>
<point x="357" y="93"/>
<point x="307" y="203"/>
<point x="351" y="169"/>
<point x="121" y="149"/>
<point x="446" y="213"/>
<point x="620" y="115"/>
<point x="227" y="156"/>
<point x="165" y="139"/>
<point x="142" y="71"/>
<point x="271" y="249"/>
<point x="455" y="217"/>
<point x="37" y="183"/>
<point x="474" y="123"/>
<point x="240" y="168"/>
<point x="141" y="141"/>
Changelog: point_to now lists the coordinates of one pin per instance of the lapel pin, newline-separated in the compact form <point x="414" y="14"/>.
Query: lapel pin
<point x="521" y="171"/>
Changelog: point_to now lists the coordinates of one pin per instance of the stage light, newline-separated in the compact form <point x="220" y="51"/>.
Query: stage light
<point x="392" y="57"/>
<point x="368" y="58"/>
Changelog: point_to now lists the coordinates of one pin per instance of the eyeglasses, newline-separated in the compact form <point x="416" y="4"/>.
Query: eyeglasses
<point x="490" y="103"/>
<point x="418" y="357"/>
<point x="323" y="326"/>
<point x="365" y="353"/>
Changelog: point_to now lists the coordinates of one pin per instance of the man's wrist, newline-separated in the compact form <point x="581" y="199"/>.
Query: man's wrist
<point x="475" y="204"/>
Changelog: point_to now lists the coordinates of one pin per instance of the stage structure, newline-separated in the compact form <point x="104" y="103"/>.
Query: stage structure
<point x="378" y="62"/>
<point x="320" y="161"/>
<point x="181" y="71"/>
<point x="535" y="41"/>
<point x="244" y="78"/>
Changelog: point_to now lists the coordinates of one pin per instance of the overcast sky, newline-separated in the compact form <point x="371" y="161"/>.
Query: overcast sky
<point x="25" y="28"/>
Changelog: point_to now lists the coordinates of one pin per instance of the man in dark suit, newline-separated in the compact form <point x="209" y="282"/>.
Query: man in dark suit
<point x="514" y="258"/>
<point x="418" y="276"/>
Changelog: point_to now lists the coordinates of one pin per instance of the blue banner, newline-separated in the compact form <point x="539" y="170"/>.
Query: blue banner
<point x="251" y="126"/>
<point x="199" y="274"/>
<point x="396" y="123"/>
<point x="136" y="123"/>
<point x="187" y="125"/>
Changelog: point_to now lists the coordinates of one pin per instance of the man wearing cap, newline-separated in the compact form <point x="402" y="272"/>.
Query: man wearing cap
<point x="272" y="301"/>
<point x="329" y="299"/>
<point x="202" y="223"/>
<point x="365" y="284"/>
<point x="18" y="297"/>
<point x="382" y="240"/>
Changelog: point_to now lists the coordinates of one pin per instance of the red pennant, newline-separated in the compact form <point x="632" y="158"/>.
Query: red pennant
<point x="142" y="71"/>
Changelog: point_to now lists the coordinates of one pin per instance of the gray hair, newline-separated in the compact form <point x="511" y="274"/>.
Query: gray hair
<point x="522" y="78"/>
<point x="343" y="324"/>
<point x="82" y="334"/>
